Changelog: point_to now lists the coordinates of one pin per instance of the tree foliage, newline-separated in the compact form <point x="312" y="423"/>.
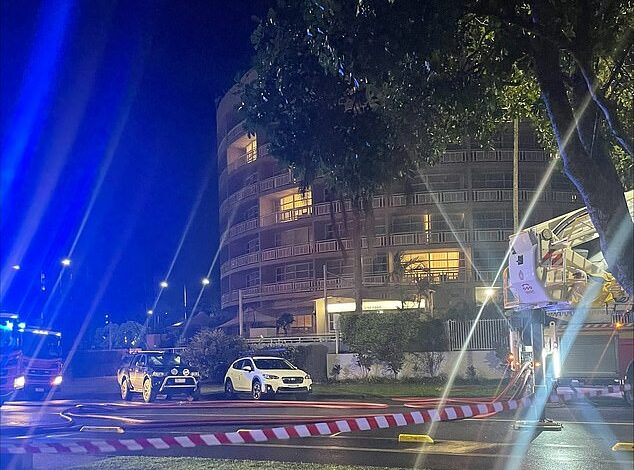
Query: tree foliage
<point x="212" y="351"/>
<point x="129" y="334"/>
<point x="385" y="338"/>
<point x="369" y="91"/>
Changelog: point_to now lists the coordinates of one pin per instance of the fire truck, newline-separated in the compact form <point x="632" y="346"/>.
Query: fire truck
<point x="30" y="359"/>
<point x="557" y="268"/>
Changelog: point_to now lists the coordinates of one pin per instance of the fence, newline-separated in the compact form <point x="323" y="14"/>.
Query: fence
<point x="487" y="335"/>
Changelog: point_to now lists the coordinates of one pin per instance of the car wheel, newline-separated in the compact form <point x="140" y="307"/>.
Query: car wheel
<point x="125" y="390"/>
<point x="230" y="393"/>
<point x="256" y="390"/>
<point x="149" y="394"/>
<point x="629" y="380"/>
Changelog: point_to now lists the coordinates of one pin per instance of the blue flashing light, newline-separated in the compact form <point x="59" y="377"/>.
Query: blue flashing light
<point x="8" y="326"/>
<point x="21" y="325"/>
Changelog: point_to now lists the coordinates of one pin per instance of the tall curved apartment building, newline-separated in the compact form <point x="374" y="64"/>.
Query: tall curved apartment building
<point x="454" y="228"/>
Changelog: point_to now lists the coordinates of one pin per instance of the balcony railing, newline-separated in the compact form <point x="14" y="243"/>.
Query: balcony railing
<point x="242" y="227"/>
<point x="462" y="156"/>
<point x="437" y="276"/>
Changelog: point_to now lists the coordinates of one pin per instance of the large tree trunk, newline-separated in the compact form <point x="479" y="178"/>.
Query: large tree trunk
<point x="357" y="266"/>
<point x="588" y="165"/>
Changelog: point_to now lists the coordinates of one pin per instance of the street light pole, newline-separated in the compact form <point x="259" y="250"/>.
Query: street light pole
<point x="516" y="174"/>
<point x="240" y="313"/>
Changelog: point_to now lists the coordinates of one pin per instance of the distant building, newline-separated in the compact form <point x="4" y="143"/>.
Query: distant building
<point x="277" y="239"/>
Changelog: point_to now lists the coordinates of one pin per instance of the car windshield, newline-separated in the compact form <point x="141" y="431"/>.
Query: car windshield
<point x="167" y="359"/>
<point x="279" y="364"/>
<point x="41" y="345"/>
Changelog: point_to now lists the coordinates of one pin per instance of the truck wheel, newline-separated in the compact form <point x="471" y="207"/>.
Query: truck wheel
<point x="149" y="393"/>
<point x="125" y="390"/>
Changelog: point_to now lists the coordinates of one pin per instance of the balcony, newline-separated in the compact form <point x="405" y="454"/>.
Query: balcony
<point x="248" y="157"/>
<point x="437" y="276"/>
<point x="463" y="156"/>
<point x="242" y="227"/>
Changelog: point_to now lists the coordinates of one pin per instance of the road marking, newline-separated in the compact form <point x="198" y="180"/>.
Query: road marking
<point x="116" y="429"/>
<point x="421" y="450"/>
<point x="422" y="438"/>
<point x="600" y="423"/>
<point x="623" y="446"/>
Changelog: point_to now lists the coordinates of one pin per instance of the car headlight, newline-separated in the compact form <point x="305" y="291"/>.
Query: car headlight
<point x="307" y="377"/>
<point x="158" y="374"/>
<point x="19" y="382"/>
<point x="57" y="380"/>
<point x="270" y="377"/>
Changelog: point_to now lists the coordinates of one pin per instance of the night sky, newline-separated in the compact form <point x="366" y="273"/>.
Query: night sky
<point x="108" y="141"/>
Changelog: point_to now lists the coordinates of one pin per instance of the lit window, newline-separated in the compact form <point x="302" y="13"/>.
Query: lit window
<point x="294" y="206"/>
<point x="251" y="151"/>
<point x="439" y="265"/>
<point x="303" y="323"/>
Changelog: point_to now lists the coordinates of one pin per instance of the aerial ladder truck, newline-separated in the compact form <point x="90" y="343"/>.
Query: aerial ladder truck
<point x="557" y="279"/>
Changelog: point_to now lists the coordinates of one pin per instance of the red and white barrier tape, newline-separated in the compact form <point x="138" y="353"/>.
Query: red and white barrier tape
<point x="85" y="446"/>
<point x="585" y="392"/>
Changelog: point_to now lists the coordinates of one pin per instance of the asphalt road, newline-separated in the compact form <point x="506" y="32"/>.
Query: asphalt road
<point x="590" y="430"/>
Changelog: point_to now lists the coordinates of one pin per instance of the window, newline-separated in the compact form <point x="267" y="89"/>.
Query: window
<point x="253" y="279"/>
<point x="329" y="231"/>
<point x="294" y="206"/>
<point x="295" y="236"/>
<point x="439" y="265"/>
<point x="293" y="272"/>
<point x="253" y="245"/>
<point x="339" y="267"/>
<point x="251" y="151"/>
<point x="410" y="223"/>
<point x="250" y="179"/>
<point x="376" y="265"/>
<point x="238" y="364"/>
<point x="491" y="180"/>
<point x="446" y="222"/>
<point x="492" y="219"/>
<point x="439" y="183"/>
<point x="303" y="323"/>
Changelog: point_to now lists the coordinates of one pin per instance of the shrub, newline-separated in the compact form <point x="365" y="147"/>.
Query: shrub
<point x="471" y="374"/>
<point x="431" y="361"/>
<point x="212" y="351"/>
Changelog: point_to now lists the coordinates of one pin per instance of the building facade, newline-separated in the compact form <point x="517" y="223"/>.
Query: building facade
<point x="279" y="252"/>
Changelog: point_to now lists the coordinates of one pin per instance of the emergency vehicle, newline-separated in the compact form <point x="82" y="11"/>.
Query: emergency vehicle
<point x="558" y="266"/>
<point x="30" y="359"/>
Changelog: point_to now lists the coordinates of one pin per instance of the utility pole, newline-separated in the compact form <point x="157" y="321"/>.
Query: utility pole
<point x="185" y="300"/>
<point x="240" y="313"/>
<point x="516" y="174"/>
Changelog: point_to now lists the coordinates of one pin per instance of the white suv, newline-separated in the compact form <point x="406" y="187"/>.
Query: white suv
<point x="266" y="376"/>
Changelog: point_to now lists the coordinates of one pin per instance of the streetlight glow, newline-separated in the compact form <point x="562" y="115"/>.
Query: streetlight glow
<point x="163" y="284"/>
<point x="66" y="262"/>
<point x="206" y="281"/>
<point x="150" y="312"/>
<point x="15" y="267"/>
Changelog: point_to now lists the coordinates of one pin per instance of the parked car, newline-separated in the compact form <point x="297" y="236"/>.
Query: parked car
<point x="156" y="372"/>
<point x="264" y="376"/>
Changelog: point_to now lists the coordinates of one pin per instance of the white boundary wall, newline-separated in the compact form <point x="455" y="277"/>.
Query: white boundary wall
<point x="485" y="363"/>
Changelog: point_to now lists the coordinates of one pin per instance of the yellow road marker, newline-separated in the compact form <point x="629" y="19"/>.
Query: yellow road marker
<point x="424" y="438"/>
<point x="117" y="429"/>
<point x="623" y="446"/>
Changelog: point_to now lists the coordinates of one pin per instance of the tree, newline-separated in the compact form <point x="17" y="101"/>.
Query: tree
<point x="408" y="78"/>
<point x="380" y="338"/>
<point x="409" y="275"/>
<point x="127" y="335"/>
<point x="212" y="351"/>
<point x="284" y="321"/>
<point x="321" y="125"/>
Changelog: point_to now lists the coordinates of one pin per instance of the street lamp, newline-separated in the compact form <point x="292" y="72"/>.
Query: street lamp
<point x="150" y="312"/>
<point x="66" y="262"/>
<point x="15" y="267"/>
<point x="163" y="284"/>
<point x="206" y="281"/>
